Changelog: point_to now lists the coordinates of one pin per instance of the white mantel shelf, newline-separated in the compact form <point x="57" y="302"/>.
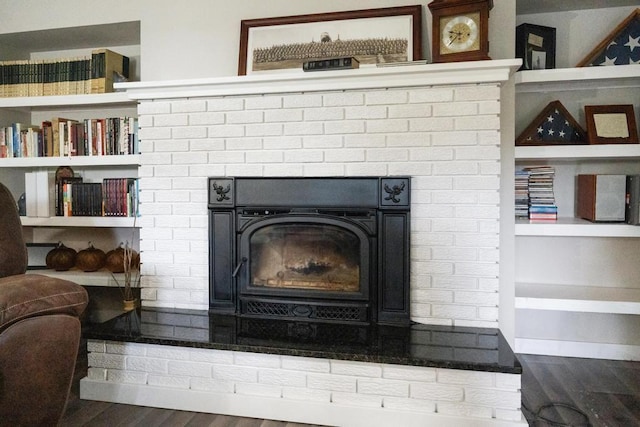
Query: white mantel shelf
<point x="494" y="71"/>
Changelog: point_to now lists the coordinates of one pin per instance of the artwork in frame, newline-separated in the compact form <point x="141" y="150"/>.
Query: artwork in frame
<point x="620" y="47"/>
<point x="536" y="45"/>
<point x="553" y="126"/>
<point x="392" y="34"/>
<point x="611" y="124"/>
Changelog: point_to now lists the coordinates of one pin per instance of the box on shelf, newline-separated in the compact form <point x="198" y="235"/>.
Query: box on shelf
<point x="601" y="197"/>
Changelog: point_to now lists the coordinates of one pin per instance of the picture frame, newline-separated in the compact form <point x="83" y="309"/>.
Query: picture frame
<point x="392" y="34"/>
<point x="612" y="50"/>
<point x="554" y="125"/>
<point x="611" y="124"/>
<point x="536" y="46"/>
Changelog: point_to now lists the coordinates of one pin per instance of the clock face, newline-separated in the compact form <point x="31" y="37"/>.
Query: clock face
<point x="460" y="33"/>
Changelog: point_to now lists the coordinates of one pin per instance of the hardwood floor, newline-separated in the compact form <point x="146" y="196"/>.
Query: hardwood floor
<point x="556" y="391"/>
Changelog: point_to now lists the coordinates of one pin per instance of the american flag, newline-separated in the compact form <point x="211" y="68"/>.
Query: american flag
<point x="556" y="127"/>
<point x="624" y="49"/>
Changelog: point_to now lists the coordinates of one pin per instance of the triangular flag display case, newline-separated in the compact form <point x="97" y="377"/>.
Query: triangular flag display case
<point x="620" y="47"/>
<point x="553" y="126"/>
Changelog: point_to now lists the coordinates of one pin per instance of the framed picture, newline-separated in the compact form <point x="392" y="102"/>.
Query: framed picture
<point x="536" y="45"/>
<point x="372" y="36"/>
<point x="554" y="125"/>
<point x="617" y="48"/>
<point x="37" y="255"/>
<point x="611" y="124"/>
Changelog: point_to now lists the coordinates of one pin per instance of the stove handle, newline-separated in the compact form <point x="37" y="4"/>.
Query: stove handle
<point x="242" y="261"/>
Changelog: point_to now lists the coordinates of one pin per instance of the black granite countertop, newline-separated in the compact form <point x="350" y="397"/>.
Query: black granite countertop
<point x="479" y="349"/>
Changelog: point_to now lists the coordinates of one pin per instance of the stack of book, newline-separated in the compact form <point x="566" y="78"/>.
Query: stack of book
<point x="542" y="202"/>
<point x="522" y="194"/>
<point x="111" y="197"/>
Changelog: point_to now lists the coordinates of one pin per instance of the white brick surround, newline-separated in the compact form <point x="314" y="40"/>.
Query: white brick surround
<point x="440" y="124"/>
<point x="445" y="136"/>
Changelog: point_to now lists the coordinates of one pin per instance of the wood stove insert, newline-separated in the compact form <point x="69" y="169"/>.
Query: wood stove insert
<point x="320" y="249"/>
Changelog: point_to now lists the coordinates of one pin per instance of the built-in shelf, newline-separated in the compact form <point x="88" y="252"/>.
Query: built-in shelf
<point x="79" y="221"/>
<point x="32" y="162"/>
<point x="578" y="152"/>
<point x="525" y="7"/>
<point x="574" y="227"/>
<point x="569" y="79"/>
<point x="588" y="299"/>
<point x="33" y="103"/>
<point x="95" y="278"/>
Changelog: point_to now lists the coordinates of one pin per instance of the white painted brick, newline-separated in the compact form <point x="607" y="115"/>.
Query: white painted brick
<point x="508" y="381"/>
<point x="158" y="158"/>
<point x="324" y="114"/>
<point x="455" y="282"/>
<point x="387" y="155"/>
<point x="171" y="145"/>
<point x="258" y="360"/>
<point x="189" y="132"/>
<point x="323" y="141"/>
<point x="171" y="120"/>
<point x="118" y="376"/>
<point x="465" y="377"/>
<point x="490" y="167"/>
<point x="410" y="168"/>
<point x="244" y="170"/>
<point x="235" y="373"/>
<point x="208" y="384"/>
<point x="262" y="390"/>
<point x="484" y="152"/>
<point x="353" y="399"/>
<point x="190" y="369"/>
<point x="170" y="382"/>
<point x="264" y="156"/>
<point x="282" y="170"/>
<point x="420" y="95"/>
<point x="420" y="311"/>
<point x="404" y="404"/>
<point x="331" y="382"/>
<point x="455" y="254"/>
<point x="455" y="198"/>
<point x="226" y="131"/>
<point x="344" y="155"/>
<point x="342" y="99"/>
<point x="391" y="96"/>
<point x="211" y="356"/>
<point x="488" y="284"/>
<point x="147" y="364"/>
<point x="431" y="154"/>
<point x="436" y="392"/>
<point x="303" y="128"/>
<point x="489" y="137"/>
<point x="427" y="267"/>
<point x="455" y="168"/>
<point x="145" y="121"/>
<point x="489" y="107"/>
<point x="171" y="171"/>
<point x="342" y="127"/>
<point x="360" y="369"/>
<point x="97" y="374"/>
<point x="244" y="144"/>
<point x="433" y="183"/>
<point x="410" y="110"/>
<point x="104" y="360"/>
<point x="238" y="117"/>
<point x="478" y="212"/>
<point x="282" y="377"/>
<point x="168" y="352"/>
<point x="284" y="115"/>
<point x="383" y="387"/>
<point x="365" y="112"/>
<point x="471" y="323"/>
<point x="225" y="104"/>
<point x="452" y="311"/>
<point x="268" y="129"/>
<point x="306" y="394"/>
<point x="387" y="126"/>
<point x="364" y="141"/>
<point x="456" y="138"/>
<point x="493" y="398"/>
<point x="96" y="346"/>
<point x="456" y="109"/>
<point x="476" y="183"/>
<point x="148" y="294"/>
<point x="263" y="102"/>
<point x="431" y="296"/>
<point x="477" y="297"/>
<point x="464" y="410"/>
<point x="414" y="139"/>
<point x="303" y="156"/>
<point x="364" y="169"/>
<point x="488" y="313"/>
<point x="431" y="124"/>
<point x="173" y="296"/>
<point x="209" y="118"/>
<point x="477" y="93"/>
<point x="188" y="106"/>
<point x="154" y="133"/>
<point x="303" y="100"/>
<point x="282" y="143"/>
<point x="477" y="122"/>
<point x="509" y="415"/>
<point x="226" y="157"/>
<point x="151" y="107"/>
<point x="477" y="269"/>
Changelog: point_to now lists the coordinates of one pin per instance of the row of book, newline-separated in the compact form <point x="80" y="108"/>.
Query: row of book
<point x="88" y="74"/>
<point x="60" y="137"/>
<point x="534" y="194"/>
<point x="70" y="196"/>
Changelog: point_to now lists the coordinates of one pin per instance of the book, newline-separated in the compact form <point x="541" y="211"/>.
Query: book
<point x="45" y="202"/>
<point x="107" y="67"/>
<point x="31" y="193"/>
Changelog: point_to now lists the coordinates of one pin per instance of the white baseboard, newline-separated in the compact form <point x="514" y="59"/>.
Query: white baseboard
<point x="329" y="414"/>
<point x="577" y="349"/>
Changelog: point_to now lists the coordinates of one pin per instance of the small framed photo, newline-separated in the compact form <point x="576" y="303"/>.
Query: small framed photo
<point x="536" y="45"/>
<point x="611" y="124"/>
<point x="37" y="255"/>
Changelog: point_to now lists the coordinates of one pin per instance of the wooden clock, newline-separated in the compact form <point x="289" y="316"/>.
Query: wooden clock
<point x="460" y="30"/>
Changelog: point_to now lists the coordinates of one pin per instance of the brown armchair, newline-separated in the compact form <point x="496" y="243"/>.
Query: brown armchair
<point x="39" y="331"/>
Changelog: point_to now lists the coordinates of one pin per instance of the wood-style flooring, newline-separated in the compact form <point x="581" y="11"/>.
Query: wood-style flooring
<point x="556" y="391"/>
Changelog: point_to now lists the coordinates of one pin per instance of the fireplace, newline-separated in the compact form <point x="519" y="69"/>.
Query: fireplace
<point x="329" y="249"/>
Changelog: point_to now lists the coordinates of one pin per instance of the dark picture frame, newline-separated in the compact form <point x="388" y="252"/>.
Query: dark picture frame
<point x="606" y="52"/>
<point x="398" y="29"/>
<point x="573" y="133"/>
<point x="536" y="46"/>
<point x="611" y="124"/>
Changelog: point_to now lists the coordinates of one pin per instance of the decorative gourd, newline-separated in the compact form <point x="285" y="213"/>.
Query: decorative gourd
<point x="115" y="260"/>
<point x="90" y="259"/>
<point x="61" y="258"/>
